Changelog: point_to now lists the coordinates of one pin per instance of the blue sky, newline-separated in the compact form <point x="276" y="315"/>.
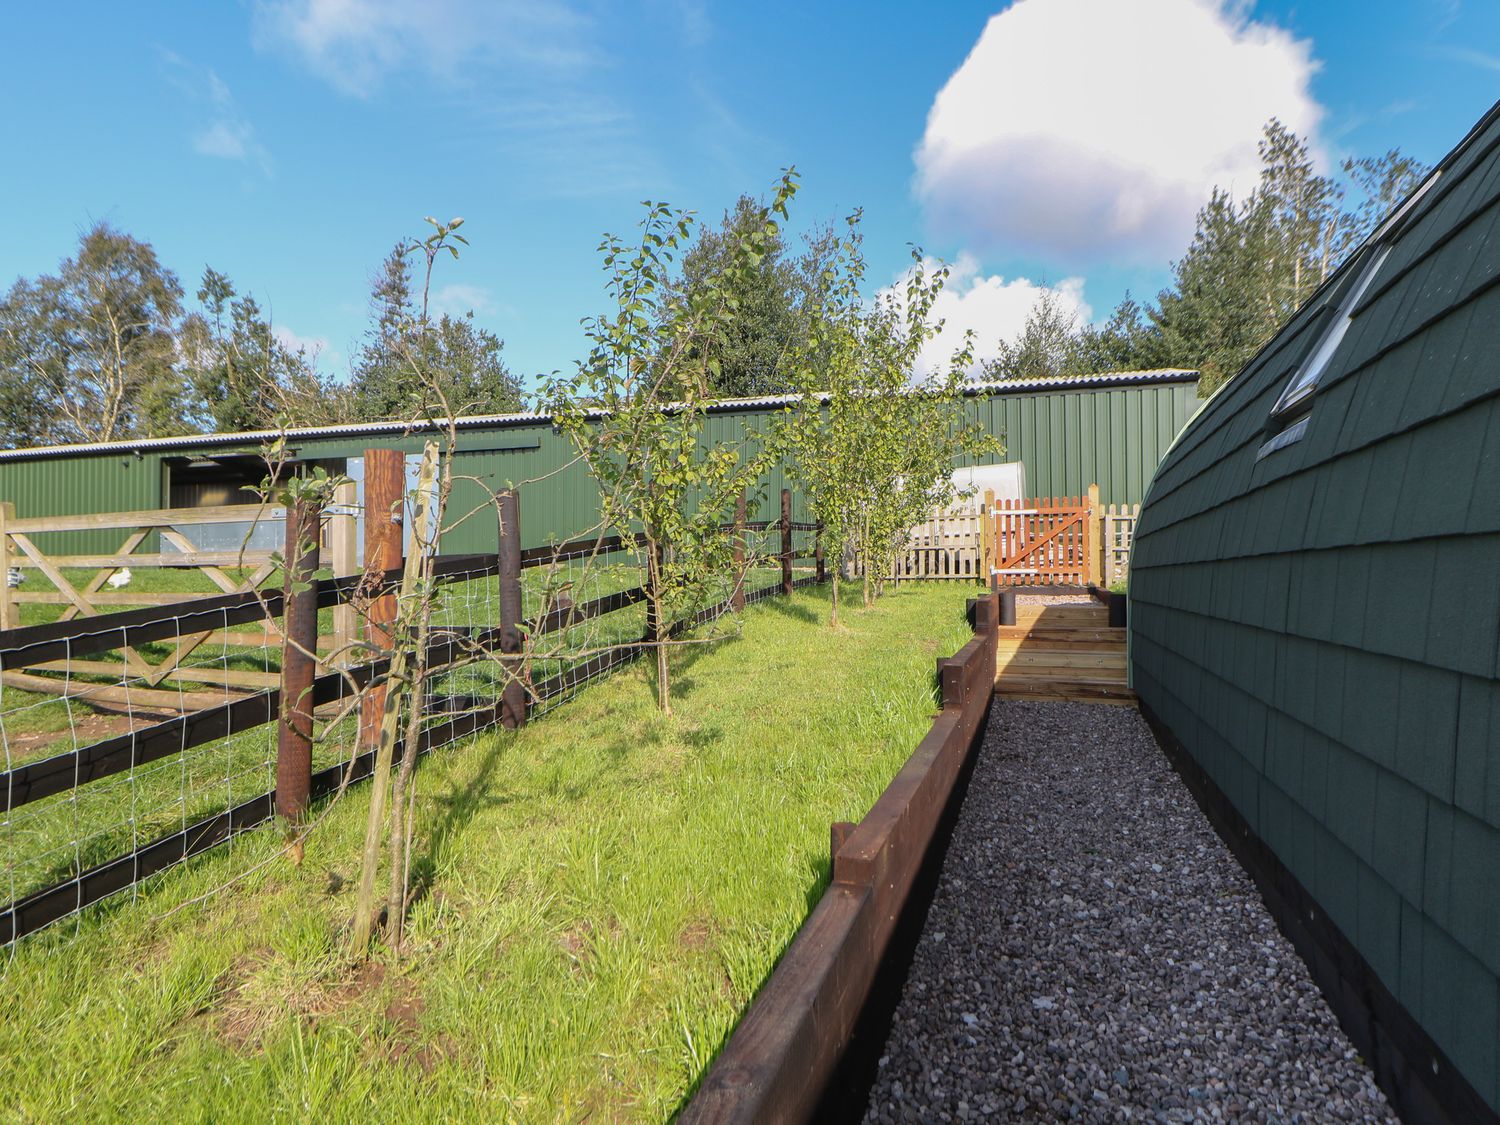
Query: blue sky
<point x="290" y="143"/>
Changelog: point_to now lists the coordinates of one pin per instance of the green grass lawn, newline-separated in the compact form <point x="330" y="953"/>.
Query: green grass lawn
<point x="605" y="891"/>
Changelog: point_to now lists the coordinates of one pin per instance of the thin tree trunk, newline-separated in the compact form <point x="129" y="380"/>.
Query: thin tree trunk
<point x="660" y="626"/>
<point x="833" y="617"/>
<point x="869" y="562"/>
<point x="403" y="795"/>
<point x="364" y="904"/>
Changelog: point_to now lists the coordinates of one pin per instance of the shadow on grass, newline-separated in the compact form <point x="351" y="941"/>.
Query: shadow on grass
<point x="787" y="607"/>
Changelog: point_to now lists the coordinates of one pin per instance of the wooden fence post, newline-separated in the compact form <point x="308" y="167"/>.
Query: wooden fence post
<point x="818" y="560"/>
<point x="299" y="662"/>
<point x="737" y="595"/>
<point x="342" y="555"/>
<point x="9" y="617"/>
<point x="1093" y="541"/>
<point x="786" y="540"/>
<point x="385" y="544"/>
<point x="987" y="537"/>
<point x="513" y="694"/>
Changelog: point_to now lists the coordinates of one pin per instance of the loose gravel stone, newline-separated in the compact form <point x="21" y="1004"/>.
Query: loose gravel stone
<point x="1093" y="952"/>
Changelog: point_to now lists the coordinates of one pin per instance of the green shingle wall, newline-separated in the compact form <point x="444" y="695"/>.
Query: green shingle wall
<point x="1068" y="439"/>
<point x="1321" y="628"/>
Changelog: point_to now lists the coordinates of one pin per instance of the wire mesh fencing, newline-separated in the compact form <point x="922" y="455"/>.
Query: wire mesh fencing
<point x="132" y="741"/>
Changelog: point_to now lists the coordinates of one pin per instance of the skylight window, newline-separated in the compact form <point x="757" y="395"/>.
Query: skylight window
<point x="1289" y="415"/>
<point x="1305" y="380"/>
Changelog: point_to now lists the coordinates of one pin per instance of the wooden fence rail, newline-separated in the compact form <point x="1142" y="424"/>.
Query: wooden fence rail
<point x="216" y="717"/>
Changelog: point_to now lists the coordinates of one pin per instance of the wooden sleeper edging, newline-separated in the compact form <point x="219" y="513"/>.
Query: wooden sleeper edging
<point x="780" y="1059"/>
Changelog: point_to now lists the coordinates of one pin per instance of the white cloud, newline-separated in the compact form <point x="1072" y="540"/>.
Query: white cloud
<point x="316" y="349"/>
<point x="228" y="139"/>
<point x="1093" y="130"/>
<point x="458" y="299"/>
<point x="229" y="134"/>
<point x="994" y="308"/>
<point x="355" y="44"/>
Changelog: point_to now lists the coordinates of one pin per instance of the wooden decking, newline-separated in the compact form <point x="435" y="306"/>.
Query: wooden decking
<point x="1063" y="652"/>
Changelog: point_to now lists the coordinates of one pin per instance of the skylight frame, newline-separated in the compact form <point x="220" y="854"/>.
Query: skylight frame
<point x="1288" y="420"/>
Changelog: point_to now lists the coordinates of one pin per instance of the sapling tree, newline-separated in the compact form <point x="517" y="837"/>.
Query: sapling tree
<point x="872" y="442"/>
<point x="919" y="423"/>
<point x="634" y="411"/>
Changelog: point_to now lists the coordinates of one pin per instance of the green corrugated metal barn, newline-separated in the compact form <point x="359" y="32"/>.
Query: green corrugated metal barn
<point x="1315" y="617"/>
<point x="1111" y="429"/>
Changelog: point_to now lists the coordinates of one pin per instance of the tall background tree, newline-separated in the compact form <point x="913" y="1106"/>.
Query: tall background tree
<point x="90" y="352"/>
<point x="771" y="288"/>
<point x="465" y="372"/>
<point x="239" y="373"/>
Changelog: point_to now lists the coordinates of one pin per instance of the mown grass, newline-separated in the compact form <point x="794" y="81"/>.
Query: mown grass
<point x="603" y="893"/>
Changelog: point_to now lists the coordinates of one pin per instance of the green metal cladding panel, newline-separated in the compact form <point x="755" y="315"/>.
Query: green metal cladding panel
<point x="1068" y="439"/>
<point x="1112" y="437"/>
<point x="1328" y="615"/>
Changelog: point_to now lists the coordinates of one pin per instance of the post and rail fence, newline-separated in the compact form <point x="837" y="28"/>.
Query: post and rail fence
<point x="157" y="770"/>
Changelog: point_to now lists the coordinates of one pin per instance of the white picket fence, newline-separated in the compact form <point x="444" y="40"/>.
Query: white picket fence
<point x="951" y="546"/>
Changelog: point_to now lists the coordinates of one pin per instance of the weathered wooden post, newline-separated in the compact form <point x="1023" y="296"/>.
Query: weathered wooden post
<point x="385" y="493"/>
<point x="838" y="832"/>
<point x="1093" y="539"/>
<point x="9" y="616"/>
<point x="513" y="694"/>
<point x="737" y="595"/>
<point x="299" y="661"/>
<point x="818" y="560"/>
<point x="342" y="555"/>
<point x="786" y="540"/>
<point x="987" y="537"/>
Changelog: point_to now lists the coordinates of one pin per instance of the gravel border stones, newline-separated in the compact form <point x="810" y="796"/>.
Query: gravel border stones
<point x="1094" y="952"/>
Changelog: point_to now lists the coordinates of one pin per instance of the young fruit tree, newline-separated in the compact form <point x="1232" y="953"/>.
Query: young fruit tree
<point x="635" y="408"/>
<point x="872" y="442"/>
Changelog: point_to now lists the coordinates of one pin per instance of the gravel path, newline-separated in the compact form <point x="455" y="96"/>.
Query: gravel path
<point x="1094" y="952"/>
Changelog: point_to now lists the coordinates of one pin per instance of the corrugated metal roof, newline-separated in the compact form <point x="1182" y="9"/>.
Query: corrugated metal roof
<point x="523" y="418"/>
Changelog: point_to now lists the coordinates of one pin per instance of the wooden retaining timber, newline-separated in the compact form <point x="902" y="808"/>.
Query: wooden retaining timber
<point x="781" y="1057"/>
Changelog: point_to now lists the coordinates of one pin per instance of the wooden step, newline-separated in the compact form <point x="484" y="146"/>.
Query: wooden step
<point x="1045" y="658"/>
<point x="1062" y="613"/>
<point x="1031" y="632"/>
<point x="1108" y="646"/>
<point x="1047" y="678"/>
<point x="1056" y="689"/>
<point x="1125" y="698"/>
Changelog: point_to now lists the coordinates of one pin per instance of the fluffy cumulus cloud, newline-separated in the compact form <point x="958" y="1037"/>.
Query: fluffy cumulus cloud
<point x="1093" y="130"/>
<point x="992" y="307"/>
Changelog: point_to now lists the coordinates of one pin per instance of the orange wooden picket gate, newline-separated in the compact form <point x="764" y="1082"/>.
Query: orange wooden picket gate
<point x="1045" y="541"/>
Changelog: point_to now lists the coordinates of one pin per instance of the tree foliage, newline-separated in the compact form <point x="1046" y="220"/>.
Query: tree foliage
<point x="634" y="411"/>
<point x="772" y="288"/>
<point x="89" y="352"/>
<point x="241" y="376"/>
<point x="465" y="370"/>
<point x="107" y="348"/>
<point x="871" y="443"/>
